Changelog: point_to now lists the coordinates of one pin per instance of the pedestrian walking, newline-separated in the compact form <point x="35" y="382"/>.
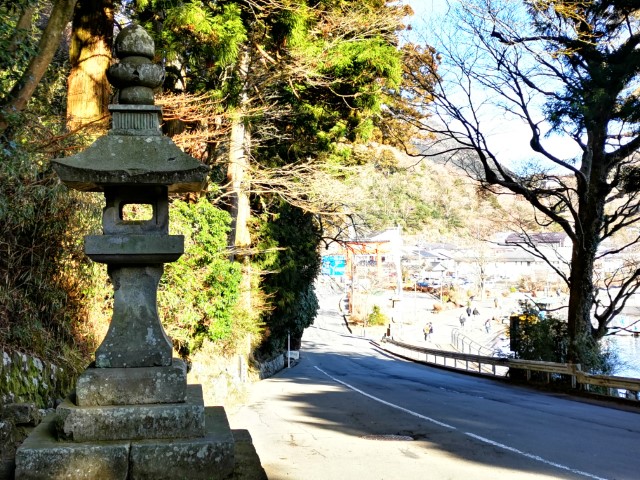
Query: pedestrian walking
<point x="462" y="320"/>
<point x="427" y="330"/>
<point x="487" y="325"/>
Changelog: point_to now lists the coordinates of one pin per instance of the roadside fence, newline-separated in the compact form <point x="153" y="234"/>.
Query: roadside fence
<point x="464" y="344"/>
<point x="501" y="367"/>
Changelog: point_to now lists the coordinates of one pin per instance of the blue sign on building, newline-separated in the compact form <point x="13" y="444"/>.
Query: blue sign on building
<point x="335" y="265"/>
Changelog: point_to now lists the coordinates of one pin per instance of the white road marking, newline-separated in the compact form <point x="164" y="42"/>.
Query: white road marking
<point x="477" y="437"/>
<point x="392" y="405"/>
<point x="533" y="457"/>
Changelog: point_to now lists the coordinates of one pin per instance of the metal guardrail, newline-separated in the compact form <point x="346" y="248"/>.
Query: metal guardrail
<point x="463" y="344"/>
<point x="497" y="366"/>
<point x="457" y="360"/>
<point x="611" y="383"/>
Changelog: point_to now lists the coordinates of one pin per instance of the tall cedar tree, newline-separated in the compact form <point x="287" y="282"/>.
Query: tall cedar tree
<point x="89" y="55"/>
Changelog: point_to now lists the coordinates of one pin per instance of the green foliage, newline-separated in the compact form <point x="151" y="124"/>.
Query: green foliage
<point x="216" y="31"/>
<point x="415" y="199"/>
<point x="292" y="27"/>
<point x="46" y="278"/>
<point x="48" y="285"/>
<point x="359" y="64"/>
<point x="291" y="263"/>
<point x="341" y="68"/>
<point x="315" y="86"/>
<point x="328" y="92"/>
<point x="46" y="110"/>
<point x="547" y="340"/>
<point x="377" y="317"/>
<point x="15" y="51"/>
<point x="199" y="292"/>
<point x="200" y="41"/>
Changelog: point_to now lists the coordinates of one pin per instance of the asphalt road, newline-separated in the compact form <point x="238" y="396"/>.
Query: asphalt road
<point x="349" y="411"/>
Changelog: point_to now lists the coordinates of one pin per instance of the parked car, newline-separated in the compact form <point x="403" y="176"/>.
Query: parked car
<point x="423" y="286"/>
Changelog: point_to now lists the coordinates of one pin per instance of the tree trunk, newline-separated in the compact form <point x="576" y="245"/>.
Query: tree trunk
<point x="237" y="177"/>
<point x="22" y="27"/>
<point x="21" y="93"/>
<point x="585" y="248"/>
<point x="239" y="146"/>
<point x="90" y="56"/>
<point x="580" y="301"/>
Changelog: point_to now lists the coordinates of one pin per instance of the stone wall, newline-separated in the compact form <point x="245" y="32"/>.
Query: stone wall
<point x="28" y="386"/>
<point x="28" y="379"/>
<point x="271" y="367"/>
<point x="16" y="422"/>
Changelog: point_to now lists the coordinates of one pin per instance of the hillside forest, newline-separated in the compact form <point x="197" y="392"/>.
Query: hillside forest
<point x="280" y="99"/>
<point x="321" y="120"/>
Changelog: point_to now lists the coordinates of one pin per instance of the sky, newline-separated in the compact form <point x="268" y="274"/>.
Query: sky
<point x="508" y="138"/>
<point x="426" y="8"/>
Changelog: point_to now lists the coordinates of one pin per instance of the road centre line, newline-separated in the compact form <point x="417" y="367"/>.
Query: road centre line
<point x="533" y="457"/>
<point x="477" y="437"/>
<point x="392" y="405"/>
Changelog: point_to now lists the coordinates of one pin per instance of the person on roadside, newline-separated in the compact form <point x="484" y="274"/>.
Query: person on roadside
<point x="427" y="330"/>
<point x="462" y="320"/>
<point x="487" y="325"/>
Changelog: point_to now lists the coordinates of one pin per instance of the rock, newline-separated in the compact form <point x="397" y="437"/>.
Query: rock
<point x="22" y="414"/>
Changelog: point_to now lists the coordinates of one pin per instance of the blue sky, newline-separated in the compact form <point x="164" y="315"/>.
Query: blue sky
<point x="510" y="138"/>
<point x="426" y="8"/>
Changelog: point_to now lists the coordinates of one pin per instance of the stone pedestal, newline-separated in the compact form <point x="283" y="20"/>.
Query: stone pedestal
<point x="180" y="439"/>
<point x="135" y="337"/>
<point x="132" y="415"/>
<point x="132" y="386"/>
<point x="211" y="456"/>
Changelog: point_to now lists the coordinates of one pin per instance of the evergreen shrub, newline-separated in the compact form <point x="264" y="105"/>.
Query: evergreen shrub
<point x="290" y="263"/>
<point x="198" y="294"/>
<point x="377" y="317"/>
<point x="547" y="339"/>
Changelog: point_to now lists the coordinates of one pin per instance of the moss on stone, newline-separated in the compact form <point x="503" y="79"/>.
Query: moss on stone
<point x="28" y="379"/>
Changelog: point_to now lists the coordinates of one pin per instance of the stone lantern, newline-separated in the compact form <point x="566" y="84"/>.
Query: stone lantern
<point x="132" y="415"/>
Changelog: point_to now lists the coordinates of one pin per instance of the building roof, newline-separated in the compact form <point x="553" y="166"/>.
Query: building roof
<point x="547" y="238"/>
